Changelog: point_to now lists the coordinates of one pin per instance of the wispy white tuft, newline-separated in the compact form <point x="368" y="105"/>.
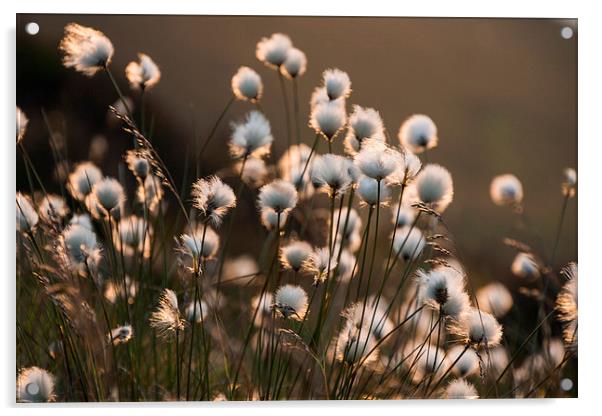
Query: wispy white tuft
<point x="82" y="179"/>
<point x="506" y="190"/>
<point x="35" y="385"/>
<point x="373" y="192"/>
<point x="121" y="334"/>
<point x="337" y="83"/>
<point x="143" y="74"/>
<point x="418" y="133"/>
<point x="85" y="49"/>
<point x="252" y="137"/>
<point x="213" y="198"/>
<point x="525" y="266"/>
<point x="247" y="85"/>
<point x="273" y="51"/>
<point x="495" y="298"/>
<point x="328" y="119"/>
<point x="294" y="254"/>
<point x="295" y="64"/>
<point x="279" y="195"/>
<point x="433" y="187"/>
<point x="442" y="289"/>
<point x="291" y="302"/>
<point x="569" y="182"/>
<point x="330" y="173"/>
<point x="461" y="389"/>
<point x="166" y="318"/>
<point x="27" y="217"/>
<point x="364" y="124"/>
<point x="409" y="242"/>
<point x="477" y="328"/>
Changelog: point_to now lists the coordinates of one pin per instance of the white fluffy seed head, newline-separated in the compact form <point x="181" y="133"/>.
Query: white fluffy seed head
<point x="35" y="385"/>
<point x="364" y="124"/>
<point x="273" y="51"/>
<point x="291" y="302"/>
<point x="106" y="198"/>
<point x="328" y="118"/>
<point x="495" y="298"/>
<point x="330" y="173"/>
<point x="279" y="195"/>
<point x="82" y="179"/>
<point x="295" y="64"/>
<point x="53" y="208"/>
<point x="271" y="219"/>
<point x="379" y="161"/>
<point x="411" y="165"/>
<point x="143" y="74"/>
<point x="294" y="254"/>
<point x="122" y="334"/>
<point x="355" y="345"/>
<point x="466" y="359"/>
<point x="569" y="182"/>
<point x="133" y="235"/>
<point x="409" y="242"/>
<point x="525" y="266"/>
<point x="150" y="193"/>
<point x="27" y="217"/>
<point x="403" y="215"/>
<point x="320" y="96"/>
<point x="567" y="305"/>
<point x="138" y="163"/>
<point x="213" y="198"/>
<point x="255" y="171"/>
<point x="166" y="319"/>
<point x="318" y="262"/>
<point x="85" y="49"/>
<point x="196" y="312"/>
<point x="418" y="133"/>
<point x="506" y="190"/>
<point x="22" y="122"/>
<point x="442" y="288"/>
<point x="461" y="389"/>
<point x="477" y="328"/>
<point x="252" y="137"/>
<point x="247" y="85"/>
<point x="373" y="192"/>
<point x="433" y="187"/>
<point x="198" y="246"/>
<point x="81" y="219"/>
<point x="337" y="83"/>
<point x="81" y="246"/>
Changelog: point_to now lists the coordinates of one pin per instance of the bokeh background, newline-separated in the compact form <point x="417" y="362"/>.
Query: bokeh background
<point x="503" y="93"/>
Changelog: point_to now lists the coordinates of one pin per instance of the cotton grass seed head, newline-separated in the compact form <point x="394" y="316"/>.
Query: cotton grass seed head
<point x="138" y="163"/>
<point x="411" y="167"/>
<point x="122" y="334"/>
<point x="569" y="182"/>
<point x="328" y="119"/>
<point x="106" y="198"/>
<point x="330" y="173"/>
<point x="53" y="208"/>
<point x="35" y="385"/>
<point x="294" y="254"/>
<point x="82" y="179"/>
<point x="213" y="198"/>
<point x="525" y="266"/>
<point x="409" y="242"/>
<point x="295" y="64"/>
<point x="279" y="195"/>
<point x="337" y="83"/>
<point x="22" y="122"/>
<point x="373" y="192"/>
<point x="506" y="190"/>
<point x="85" y="49"/>
<point x="81" y="246"/>
<point x="197" y="312"/>
<point x="272" y="219"/>
<point x="252" y="137"/>
<point x="81" y="219"/>
<point x="433" y="187"/>
<point x="442" y="289"/>
<point x="255" y="172"/>
<point x="467" y="361"/>
<point x="477" y="328"/>
<point x="133" y="235"/>
<point x="378" y="161"/>
<point x="318" y="262"/>
<point x="202" y="243"/>
<point x="461" y="389"/>
<point x="150" y="193"/>
<point x="247" y="85"/>
<point x="418" y="133"/>
<point x="27" y="217"/>
<point x="567" y="305"/>
<point x="320" y="96"/>
<point x="291" y="302"/>
<point x="364" y="124"/>
<point x="495" y="298"/>
<point x="166" y="319"/>
<point x="143" y="74"/>
<point x="274" y="50"/>
<point x="403" y="215"/>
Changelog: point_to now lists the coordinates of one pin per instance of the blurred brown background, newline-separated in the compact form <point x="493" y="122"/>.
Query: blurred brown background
<point x="503" y="93"/>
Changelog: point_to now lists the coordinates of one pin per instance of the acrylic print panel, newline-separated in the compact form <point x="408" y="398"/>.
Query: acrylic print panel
<point x="295" y="208"/>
